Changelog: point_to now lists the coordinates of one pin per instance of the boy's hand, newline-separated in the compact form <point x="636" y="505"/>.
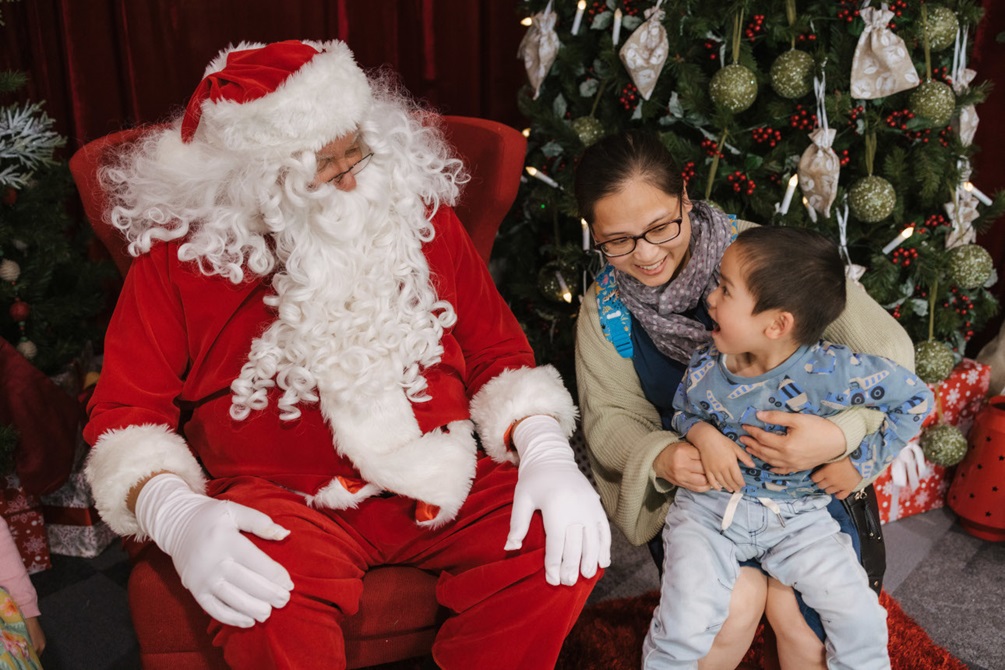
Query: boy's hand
<point x="719" y="456"/>
<point x="838" y="479"/>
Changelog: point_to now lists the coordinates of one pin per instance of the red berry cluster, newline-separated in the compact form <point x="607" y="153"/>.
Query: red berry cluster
<point x="903" y="256"/>
<point x="844" y="158"/>
<point x="945" y="136"/>
<point x="807" y="37"/>
<point x="964" y="305"/>
<point x="848" y="11"/>
<point x="802" y="119"/>
<point x="854" y="113"/>
<point x="629" y="96"/>
<point x="712" y="48"/>
<point x="755" y="27"/>
<point x="711" y="147"/>
<point x="942" y="74"/>
<point x="629" y="8"/>
<point x="688" y="172"/>
<point x="741" y="183"/>
<point x="766" y="135"/>
<point x="898" y="7"/>
<point x="931" y="223"/>
<point x="598" y="7"/>
<point x="899" y="121"/>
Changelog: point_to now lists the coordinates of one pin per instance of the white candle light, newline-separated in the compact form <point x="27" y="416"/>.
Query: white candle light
<point x="809" y="210"/>
<point x="787" y="200"/>
<point x="616" y="35"/>
<point x="586" y="235"/>
<point x="525" y="132"/>
<point x="979" y="194"/>
<point x="537" y="174"/>
<point x="580" y="8"/>
<point x="899" y="239"/>
<point x="566" y="293"/>
<point x="527" y="21"/>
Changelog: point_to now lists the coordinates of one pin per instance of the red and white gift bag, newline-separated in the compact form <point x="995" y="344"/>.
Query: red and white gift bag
<point x="912" y="485"/>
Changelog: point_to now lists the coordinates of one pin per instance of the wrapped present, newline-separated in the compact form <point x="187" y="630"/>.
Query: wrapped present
<point x="72" y="523"/>
<point x="912" y="485"/>
<point x="22" y="512"/>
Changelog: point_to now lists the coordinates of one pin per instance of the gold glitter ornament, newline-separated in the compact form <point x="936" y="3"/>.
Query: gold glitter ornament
<point x="792" y="74"/>
<point x="933" y="361"/>
<point x="733" y="88"/>
<point x="970" y="265"/>
<point x="944" y="445"/>
<point x="934" y="102"/>
<point x="941" y="25"/>
<point x="871" y="199"/>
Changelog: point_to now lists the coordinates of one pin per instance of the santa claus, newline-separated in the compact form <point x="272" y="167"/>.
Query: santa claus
<point x="309" y="373"/>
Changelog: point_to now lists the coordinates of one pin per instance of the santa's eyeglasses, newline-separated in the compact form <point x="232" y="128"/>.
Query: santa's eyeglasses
<point x="354" y="169"/>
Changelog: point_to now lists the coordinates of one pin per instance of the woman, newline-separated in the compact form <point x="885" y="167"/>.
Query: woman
<point x="635" y="335"/>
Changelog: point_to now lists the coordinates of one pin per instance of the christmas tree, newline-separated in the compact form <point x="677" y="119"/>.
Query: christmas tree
<point x="784" y="113"/>
<point x="50" y="290"/>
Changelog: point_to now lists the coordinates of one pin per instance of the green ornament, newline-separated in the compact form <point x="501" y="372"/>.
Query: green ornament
<point x="944" y="445"/>
<point x="733" y="88"/>
<point x="792" y="74"/>
<point x="933" y="101"/>
<point x="940" y="27"/>
<point x="589" y="129"/>
<point x="970" y="266"/>
<point x="933" y="361"/>
<point x="553" y="282"/>
<point x="871" y="199"/>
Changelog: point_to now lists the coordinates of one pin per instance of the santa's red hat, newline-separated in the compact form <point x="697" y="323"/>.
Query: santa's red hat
<point x="277" y="98"/>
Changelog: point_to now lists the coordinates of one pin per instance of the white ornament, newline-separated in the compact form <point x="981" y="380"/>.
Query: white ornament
<point x="646" y="51"/>
<point x="9" y="270"/>
<point x="539" y="47"/>
<point x="27" y="349"/>
<point x="882" y="64"/>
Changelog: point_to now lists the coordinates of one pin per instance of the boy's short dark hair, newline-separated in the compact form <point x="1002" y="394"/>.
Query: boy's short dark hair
<point x="795" y="270"/>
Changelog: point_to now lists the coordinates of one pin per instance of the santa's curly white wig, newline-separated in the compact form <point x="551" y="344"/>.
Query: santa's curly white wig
<point x="356" y="308"/>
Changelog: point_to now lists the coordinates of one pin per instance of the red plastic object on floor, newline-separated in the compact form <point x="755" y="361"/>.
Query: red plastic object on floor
<point x="977" y="494"/>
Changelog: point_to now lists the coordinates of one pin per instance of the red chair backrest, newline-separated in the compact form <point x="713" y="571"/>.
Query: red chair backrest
<point x="493" y="153"/>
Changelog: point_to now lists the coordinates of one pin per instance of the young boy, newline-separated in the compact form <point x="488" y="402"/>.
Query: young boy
<point x="779" y="289"/>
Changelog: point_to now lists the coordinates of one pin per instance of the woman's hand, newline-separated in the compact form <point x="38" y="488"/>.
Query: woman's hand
<point x="36" y="634"/>
<point x="680" y="464"/>
<point x="809" y="441"/>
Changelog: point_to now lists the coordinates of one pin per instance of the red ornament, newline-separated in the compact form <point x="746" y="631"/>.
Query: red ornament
<point x="10" y="196"/>
<point x="20" y="310"/>
<point x="977" y="494"/>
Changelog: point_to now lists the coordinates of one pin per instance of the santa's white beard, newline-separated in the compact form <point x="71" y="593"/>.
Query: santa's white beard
<point x="357" y="315"/>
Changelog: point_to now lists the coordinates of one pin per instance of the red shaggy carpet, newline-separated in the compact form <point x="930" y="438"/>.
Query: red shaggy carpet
<point x="609" y="636"/>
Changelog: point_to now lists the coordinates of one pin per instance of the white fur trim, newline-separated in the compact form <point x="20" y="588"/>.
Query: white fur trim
<point x="122" y="458"/>
<point x="323" y="100"/>
<point x="383" y="440"/>
<point x="515" y="394"/>
<point x="336" y="496"/>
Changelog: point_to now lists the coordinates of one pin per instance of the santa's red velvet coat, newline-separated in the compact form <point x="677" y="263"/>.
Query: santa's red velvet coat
<point x="178" y="339"/>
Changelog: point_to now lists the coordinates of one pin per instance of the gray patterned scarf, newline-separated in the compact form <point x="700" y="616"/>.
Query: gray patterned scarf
<point x="660" y="308"/>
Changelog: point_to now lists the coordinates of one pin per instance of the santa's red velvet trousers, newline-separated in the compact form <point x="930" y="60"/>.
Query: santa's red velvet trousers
<point x="504" y="613"/>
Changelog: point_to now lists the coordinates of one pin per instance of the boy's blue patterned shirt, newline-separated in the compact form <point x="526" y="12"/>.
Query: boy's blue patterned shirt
<point x="822" y="379"/>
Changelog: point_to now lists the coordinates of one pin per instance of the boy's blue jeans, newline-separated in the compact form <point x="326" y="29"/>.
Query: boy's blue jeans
<point x="801" y="546"/>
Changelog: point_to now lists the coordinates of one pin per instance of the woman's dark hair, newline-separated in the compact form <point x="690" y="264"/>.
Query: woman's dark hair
<point x="614" y="161"/>
<point x="795" y="270"/>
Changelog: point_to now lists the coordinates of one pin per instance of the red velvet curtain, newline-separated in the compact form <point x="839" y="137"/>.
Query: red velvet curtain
<point x="103" y="65"/>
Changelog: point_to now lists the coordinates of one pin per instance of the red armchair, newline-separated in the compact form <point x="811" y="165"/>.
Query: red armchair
<point x="398" y="615"/>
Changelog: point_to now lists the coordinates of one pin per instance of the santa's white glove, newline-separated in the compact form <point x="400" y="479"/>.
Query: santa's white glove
<point x="577" y="534"/>
<point x="232" y="579"/>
